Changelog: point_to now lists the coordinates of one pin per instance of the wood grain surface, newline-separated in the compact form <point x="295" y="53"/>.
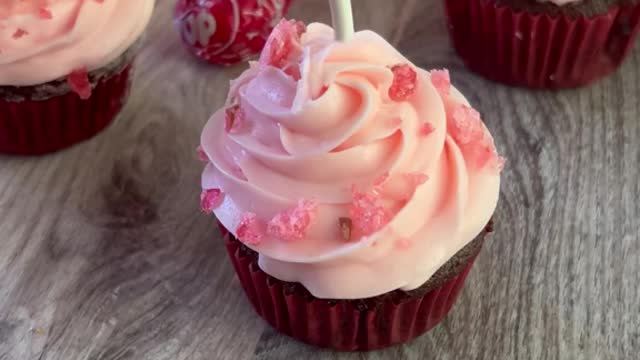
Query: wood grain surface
<point x="104" y="254"/>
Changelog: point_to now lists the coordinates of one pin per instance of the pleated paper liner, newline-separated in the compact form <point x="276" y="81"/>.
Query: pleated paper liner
<point x="35" y="127"/>
<point x="537" y="50"/>
<point x="345" y="325"/>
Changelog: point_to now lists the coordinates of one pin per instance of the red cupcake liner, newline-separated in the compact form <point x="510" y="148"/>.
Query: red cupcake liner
<point x="341" y="324"/>
<point x="538" y="50"/>
<point x="33" y="127"/>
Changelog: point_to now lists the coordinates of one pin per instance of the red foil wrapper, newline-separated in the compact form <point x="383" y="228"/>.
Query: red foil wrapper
<point x="226" y="32"/>
<point x="35" y="127"/>
<point x="340" y="324"/>
<point x="537" y="50"/>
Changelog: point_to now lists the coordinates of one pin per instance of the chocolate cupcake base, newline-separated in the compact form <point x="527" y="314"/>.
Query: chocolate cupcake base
<point x="352" y="325"/>
<point x="41" y="119"/>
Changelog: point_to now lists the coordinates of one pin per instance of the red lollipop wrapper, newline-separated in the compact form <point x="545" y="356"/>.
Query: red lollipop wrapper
<point x="538" y="50"/>
<point x="345" y="325"/>
<point x="226" y="32"/>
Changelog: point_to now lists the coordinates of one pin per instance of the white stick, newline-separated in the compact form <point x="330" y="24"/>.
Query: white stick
<point x="342" y="17"/>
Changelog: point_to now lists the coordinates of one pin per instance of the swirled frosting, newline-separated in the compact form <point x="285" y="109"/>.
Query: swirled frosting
<point x="43" y="40"/>
<point x="339" y="180"/>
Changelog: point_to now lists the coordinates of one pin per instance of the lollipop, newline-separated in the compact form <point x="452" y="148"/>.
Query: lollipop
<point x="227" y="31"/>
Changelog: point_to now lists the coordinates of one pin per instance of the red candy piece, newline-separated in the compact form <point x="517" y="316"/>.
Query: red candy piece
<point x="426" y="129"/>
<point x="441" y="81"/>
<point x="210" y="200"/>
<point x="227" y="31"/>
<point x="79" y="81"/>
<point x="250" y="230"/>
<point x="367" y="214"/>
<point x="234" y="118"/>
<point x="293" y="224"/>
<point x="467" y="129"/>
<point x="202" y="156"/>
<point x="405" y="81"/>
<point x="284" y="49"/>
<point x="19" y="33"/>
<point x="45" y="14"/>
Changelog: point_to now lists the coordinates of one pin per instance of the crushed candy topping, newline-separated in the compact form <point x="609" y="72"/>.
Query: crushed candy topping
<point x="202" y="156"/>
<point x="293" y="224"/>
<point x="250" y="230"/>
<point x="405" y="82"/>
<point x="19" y="33"/>
<point x="210" y="199"/>
<point x="426" y="129"/>
<point x="79" y="82"/>
<point x="467" y="129"/>
<point x="234" y="118"/>
<point x="367" y="214"/>
<point x="284" y="47"/>
<point x="45" y="14"/>
<point x="346" y="228"/>
<point x="441" y="81"/>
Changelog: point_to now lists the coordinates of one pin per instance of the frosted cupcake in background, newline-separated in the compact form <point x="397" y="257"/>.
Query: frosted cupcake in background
<point x="543" y="43"/>
<point x="353" y="188"/>
<point x="65" y="69"/>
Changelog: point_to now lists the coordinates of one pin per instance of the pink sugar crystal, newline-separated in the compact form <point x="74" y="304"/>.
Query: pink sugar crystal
<point x="79" y="82"/>
<point x="250" y="230"/>
<point x="441" y="81"/>
<point x="283" y="48"/>
<point x="202" y="156"/>
<point x="234" y="118"/>
<point x="210" y="199"/>
<point x="293" y="224"/>
<point x="465" y="125"/>
<point x="405" y="81"/>
<point x="426" y="129"/>
<point x="45" y="14"/>
<point x="367" y="214"/>
<point x="19" y="33"/>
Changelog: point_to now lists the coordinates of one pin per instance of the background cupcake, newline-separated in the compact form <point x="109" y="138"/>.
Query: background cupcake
<point x="350" y="186"/>
<point x="65" y="69"/>
<point x="543" y="44"/>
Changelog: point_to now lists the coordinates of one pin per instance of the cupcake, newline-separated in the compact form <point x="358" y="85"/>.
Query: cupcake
<point x="65" y="69"/>
<point x="543" y="43"/>
<point x="354" y="190"/>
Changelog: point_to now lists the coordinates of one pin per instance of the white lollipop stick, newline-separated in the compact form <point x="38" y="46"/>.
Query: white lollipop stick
<point x="342" y="17"/>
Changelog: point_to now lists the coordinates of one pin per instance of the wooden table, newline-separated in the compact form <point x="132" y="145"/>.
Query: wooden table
<point x="104" y="254"/>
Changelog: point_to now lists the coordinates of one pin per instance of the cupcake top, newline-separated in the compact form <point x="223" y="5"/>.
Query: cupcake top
<point x="43" y="40"/>
<point x="571" y="8"/>
<point x="346" y="167"/>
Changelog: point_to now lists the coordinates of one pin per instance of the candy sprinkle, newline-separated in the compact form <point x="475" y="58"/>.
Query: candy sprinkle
<point x="210" y="199"/>
<point x="202" y="156"/>
<point x="284" y="47"/>
<point x="405" y="81"/>
<point x="426" y="129"/>
<point x="19" y="33"/>
<point x="45" y="14"/>
<point x="234" y="118"/>
<point x="250" y="230"/>
<point x="441" y="81"/>
<point x="293" y="224"/>
<point x="367" y="214"/>
<point x="79" y="82"/>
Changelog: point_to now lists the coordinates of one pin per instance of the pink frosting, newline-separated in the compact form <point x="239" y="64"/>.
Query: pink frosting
<point x="335" y="129"/>
<point x="42" y="40"/>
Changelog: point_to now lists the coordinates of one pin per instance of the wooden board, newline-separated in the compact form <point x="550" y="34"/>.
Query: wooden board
<point x="104" y="255"/>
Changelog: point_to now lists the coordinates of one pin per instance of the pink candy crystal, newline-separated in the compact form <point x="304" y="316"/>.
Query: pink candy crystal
<point x="250" y="230"/>
<point x="467" y="129"/>
<point x="19" y="33"/>
<point x="210" y="199"/>
<point x="367" y="214"/>
<point x="202" y="156"/>
<point x="293" y="224"/>
<point x="79" y="82"/>
<point x="45" y="14"/>
<point x="441" y="81"/>
<point x="283" y="48"/>
<point x="426" y="129"/>
<point x="234" y="118"/>
<point x="405" y="81"/>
